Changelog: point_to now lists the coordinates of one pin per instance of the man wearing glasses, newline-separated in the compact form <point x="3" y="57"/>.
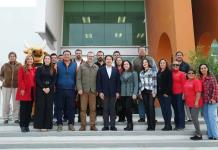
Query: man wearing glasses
<point x="178" y="78"/>
<point x="86" y="86"/>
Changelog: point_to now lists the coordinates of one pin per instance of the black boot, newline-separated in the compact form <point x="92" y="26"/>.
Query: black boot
<point x="23" y="129"/>
<point x="129" y="127"/>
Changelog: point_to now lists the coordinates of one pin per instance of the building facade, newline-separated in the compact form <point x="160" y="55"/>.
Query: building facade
<point x="164" y="26"/>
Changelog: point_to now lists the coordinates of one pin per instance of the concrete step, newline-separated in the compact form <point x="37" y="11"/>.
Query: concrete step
<point x="12" y="138"/>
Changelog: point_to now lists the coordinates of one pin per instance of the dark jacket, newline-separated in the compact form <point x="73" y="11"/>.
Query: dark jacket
<point x="184" y="67"/>
<point x="108" y="86"/>
<point x="164" y="82"/>
<point x="44" y="77"/>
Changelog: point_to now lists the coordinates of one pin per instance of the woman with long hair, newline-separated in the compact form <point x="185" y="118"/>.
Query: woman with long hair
<point x="148" y="90"/>
<point x="129" y="91"/>
<point x="25" y="92"/>
<point x="164" y="92"/>
<point x="45" y="82"/>
<point x="120" y="108"/>
<point x="210" y="100"/>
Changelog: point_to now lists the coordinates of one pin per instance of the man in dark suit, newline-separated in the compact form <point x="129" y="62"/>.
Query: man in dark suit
<point x="108" y="87"/>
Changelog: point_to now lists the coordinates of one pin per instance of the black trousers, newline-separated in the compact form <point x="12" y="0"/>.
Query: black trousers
<point x="109" y="111"/>
<point x="25" y="113"/>
<point x="43" y="118"/>
<point x="148" y="101"/>
<point x="120" y="108"/>
<point x="128" y="103"/>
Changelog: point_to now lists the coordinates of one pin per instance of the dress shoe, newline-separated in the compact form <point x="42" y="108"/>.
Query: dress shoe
<point x="82" y="128"/>
<point x="113" y="129"/>
<point x="129" y="127"/>
<point x="167" y="128"/>
<point x="105" y="129"/>
<point x="196" y="137"/>
<point x="210" y="138"/>
<point x="150" y="129"/>
<point x="93" y="128"/>
<point x="141" y="120"/>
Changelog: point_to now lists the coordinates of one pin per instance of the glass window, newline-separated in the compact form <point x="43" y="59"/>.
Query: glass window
<point x="103" y="23"/>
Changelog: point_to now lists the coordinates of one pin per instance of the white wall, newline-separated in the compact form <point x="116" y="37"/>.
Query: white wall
<point x="54" y="19"/>
<point x="18" y="24"/>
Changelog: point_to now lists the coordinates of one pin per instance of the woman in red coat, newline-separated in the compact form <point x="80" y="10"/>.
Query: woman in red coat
<point x="25" y="92"/>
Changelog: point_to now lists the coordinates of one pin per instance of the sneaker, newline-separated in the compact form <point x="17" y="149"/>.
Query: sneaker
<point x="105" y="128"/>
<point x="93" y="128"/>
<point x="60" y="128"/>
<point x="71" y="127"/>
<point x="17" y="121"/>
<point x="141" y="120"/>
<point x="210" y="138"/>
<point x="5" y="121"/>
<point x="195" y="138"/>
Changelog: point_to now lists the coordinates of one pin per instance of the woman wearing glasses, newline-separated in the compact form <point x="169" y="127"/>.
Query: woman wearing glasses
<point x="178" y="78"/>
<point x="192" y="96"/>
<point x="210" y="100"/>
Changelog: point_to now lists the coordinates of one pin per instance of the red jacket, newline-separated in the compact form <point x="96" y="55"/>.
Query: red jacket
<point x="178" y="81"/>
<point x="26" y="82"/>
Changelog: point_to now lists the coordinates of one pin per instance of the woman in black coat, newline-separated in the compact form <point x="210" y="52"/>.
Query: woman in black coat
<point x="164" y="92"/>
<point x="45" y="81"/>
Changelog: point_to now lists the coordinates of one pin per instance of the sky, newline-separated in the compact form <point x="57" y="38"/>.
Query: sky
<point x="17" y="3"/>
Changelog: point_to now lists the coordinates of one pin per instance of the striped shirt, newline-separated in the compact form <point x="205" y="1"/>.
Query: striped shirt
<point x="148" y="81"/>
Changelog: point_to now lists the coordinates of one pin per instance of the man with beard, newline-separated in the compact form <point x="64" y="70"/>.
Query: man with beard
<point x="100" y="63"/>
<point x="100" y="59"/>
<point x="78" y="60"/>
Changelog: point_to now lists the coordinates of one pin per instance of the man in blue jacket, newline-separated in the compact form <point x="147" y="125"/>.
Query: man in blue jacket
<point x="108" y="87"/>
<point x="65" y="90"/>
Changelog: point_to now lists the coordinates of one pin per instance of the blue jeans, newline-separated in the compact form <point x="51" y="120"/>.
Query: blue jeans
<point x="165" y="103"/>
<point x="141" y="109"/>
<point x="179" y="111"/>
<point x="210" y="115"/>
<point x="65" y="97"/>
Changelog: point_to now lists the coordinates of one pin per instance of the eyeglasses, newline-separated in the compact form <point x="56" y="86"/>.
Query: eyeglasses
<point x="175" y="65"/>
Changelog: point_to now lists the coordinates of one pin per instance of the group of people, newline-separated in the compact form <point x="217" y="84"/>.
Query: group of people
<point x="62" y="83"/>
